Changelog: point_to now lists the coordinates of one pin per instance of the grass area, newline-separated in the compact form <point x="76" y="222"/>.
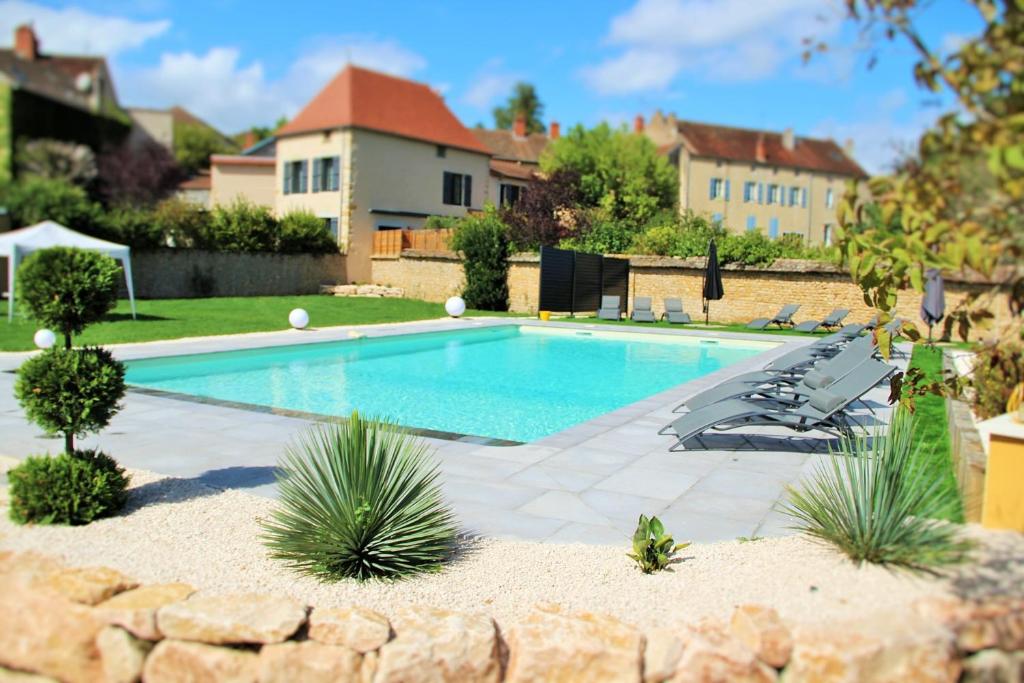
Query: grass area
<point x="176" y="318"/>
<point x="932" y="430"/>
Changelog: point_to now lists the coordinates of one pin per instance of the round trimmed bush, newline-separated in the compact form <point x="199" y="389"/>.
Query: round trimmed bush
<point x="70" y="391"/>
<point x="68" y="289"/>
<point x="73" y="488"/>
<point x="359" y="500"/>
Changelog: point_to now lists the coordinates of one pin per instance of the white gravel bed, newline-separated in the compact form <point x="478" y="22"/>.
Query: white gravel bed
<point x="179" y="530"/>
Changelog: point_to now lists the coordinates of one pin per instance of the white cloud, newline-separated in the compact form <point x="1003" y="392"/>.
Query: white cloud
<point x="328" y="56"/>
<point x="723" y="40"/>
<point x="952" y="42"/>
<point x="878" y="139"/>
<point x="490" y="83"/>
<point x="76" y="31"/>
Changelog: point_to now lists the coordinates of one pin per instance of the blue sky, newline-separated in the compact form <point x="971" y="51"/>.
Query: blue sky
<point x="238" y="63"/>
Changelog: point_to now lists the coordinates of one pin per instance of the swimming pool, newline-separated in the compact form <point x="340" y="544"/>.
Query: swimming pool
<point x="511" y="382"/>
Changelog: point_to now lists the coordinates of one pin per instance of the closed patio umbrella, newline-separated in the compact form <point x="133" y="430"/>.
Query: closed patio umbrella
<point x="933" y="304"/>
<point x="713" y="290"/>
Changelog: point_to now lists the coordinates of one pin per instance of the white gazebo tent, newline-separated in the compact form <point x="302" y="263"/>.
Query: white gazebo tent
<point x="17" y="244"/>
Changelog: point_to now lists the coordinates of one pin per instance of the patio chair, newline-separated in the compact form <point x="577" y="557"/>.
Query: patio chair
<point x="642" y="312"/>
<point x="833" y="319"/>
<point x="610" y="308"/>
<point x="674" y="312"/>
<point x="824" y="410"/>
<point x="783" y="317"/>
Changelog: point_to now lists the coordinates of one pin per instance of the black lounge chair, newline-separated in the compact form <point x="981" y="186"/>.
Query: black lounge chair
<point x="783" y="317"/>
<point x="610" y="309"/>
<point x="642" y="312"/>
<point x="833" y="319"/>
<point x="674" y="312"/>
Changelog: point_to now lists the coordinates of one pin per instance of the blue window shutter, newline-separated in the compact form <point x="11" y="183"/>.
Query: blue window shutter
<point x="304" y="176"/>
<point x="467" y="190"/>
<point x="782" y="195"/>
<point x="746" y="192"/>
<point x="316" y="174"/>
<point x="726" y="190"/>
<point x="336" y="173"/>
<point x="803" y="197"/>
<point x="711" y="189"/>
<point x="751" y="223"/>
<point x="287" y="175"/>
<point x="773" y="228"/>
<point x="760" y="193"/>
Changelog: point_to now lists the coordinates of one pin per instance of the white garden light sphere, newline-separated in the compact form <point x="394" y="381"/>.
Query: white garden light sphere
<point x="44" y="338"/>
<point x="455" y="306"/>
<point x="298" y="318"/>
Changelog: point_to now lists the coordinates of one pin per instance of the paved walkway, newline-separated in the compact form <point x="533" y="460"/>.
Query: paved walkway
<point x="585" y="484"/>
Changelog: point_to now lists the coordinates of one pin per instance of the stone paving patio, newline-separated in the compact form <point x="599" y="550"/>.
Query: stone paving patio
<point x="586" y="484"/>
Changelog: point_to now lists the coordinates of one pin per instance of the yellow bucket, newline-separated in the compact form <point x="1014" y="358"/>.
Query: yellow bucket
<point x="545" y="315"/>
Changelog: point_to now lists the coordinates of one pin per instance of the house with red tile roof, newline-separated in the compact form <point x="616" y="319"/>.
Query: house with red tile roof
<point x="375" y="152"/>
<point x="778" y="183"/>
<point x="515" y="158"/>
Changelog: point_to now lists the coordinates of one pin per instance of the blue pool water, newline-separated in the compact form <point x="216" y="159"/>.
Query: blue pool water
<point x="511" y="382"/>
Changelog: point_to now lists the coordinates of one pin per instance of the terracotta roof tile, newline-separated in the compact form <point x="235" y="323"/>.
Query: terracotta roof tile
<point x="504" y="144"/>
<point x="198" y="182"/>
<point x="367" y="99"/>
<point x="241" y="160"/>
<point x="52" y="76"/>
<point x="513" y="169"/>
<point x="740" y="144"/>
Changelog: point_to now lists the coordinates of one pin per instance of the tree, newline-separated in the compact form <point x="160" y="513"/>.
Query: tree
<point x="57" y="160"/>
<point x="194" y="143"/>
<point x="546" y="212"/>
<point x="620" y="172"/>
<point x="33" y="199"/>
<point x="522" y="102"/>
<point x="142" y="173"/>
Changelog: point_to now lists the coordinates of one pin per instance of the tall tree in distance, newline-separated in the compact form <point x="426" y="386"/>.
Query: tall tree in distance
<point x="523" y="101"/>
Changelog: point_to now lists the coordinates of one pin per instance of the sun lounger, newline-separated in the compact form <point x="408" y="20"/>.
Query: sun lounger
<point x="783" y="317"/>
<point x="833" y="319"/>
<point x="674" y="312"/>
<point x="642" y="312"/>
<point x="824" y="410"/>
<point x="610" y="308"/>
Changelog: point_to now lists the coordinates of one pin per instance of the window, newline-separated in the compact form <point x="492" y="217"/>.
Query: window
<point x="794" y="196"/>
<point x="325" y="174"/>
<point x="295" y="176"/>
<point x="509" y="194"/>
<point x="751" y="223"/>
<point x="749" y="191"/>
<point x="803" y="197"/>
<point x="332" y="226"/>
<point x="442" y="151"/>
<point x="828" y="234"/>
<point x="458" y="189"/>
<point x="830" y="198"/>
<point x="773" y="194"/>
<point x="773" y="228"/>
<point x="717" y="188"/>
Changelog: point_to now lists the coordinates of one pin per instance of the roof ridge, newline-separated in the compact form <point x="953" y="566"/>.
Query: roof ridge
<point x="747" y="129"/>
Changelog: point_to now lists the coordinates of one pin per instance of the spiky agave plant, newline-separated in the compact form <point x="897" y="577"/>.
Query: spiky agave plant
<point x="359" y="500"/>
<point x="873" y="501"/>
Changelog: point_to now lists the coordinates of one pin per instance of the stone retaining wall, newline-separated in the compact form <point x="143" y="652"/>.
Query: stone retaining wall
<point x="749" y="292"/>
<point x="967" y="451"/>
<point x="95" y="624"/>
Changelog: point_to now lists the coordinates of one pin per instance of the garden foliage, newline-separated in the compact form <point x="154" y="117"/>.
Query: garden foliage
<point x="70" y="488"/>
<point x="483" y="242"/>
<point x="653" y="547"/>
<point x="359" y="500"/>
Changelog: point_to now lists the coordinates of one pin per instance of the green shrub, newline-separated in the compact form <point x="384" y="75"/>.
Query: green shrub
<point x="440" y="222"/>
<point x="997" y="370"/>
<point x="243" y="226"/>
<point x="359" y="500"/>
<point x="74" y="488"/>
<point x="33" y="199"/>
<point x="875" y="504"/>
<point x="483" y="242"/>
<point x="135" y="227"/>
<point x="302" y="232"/>
<point x="67" y="289"/>
<point x="70" y="391"/>
<point x="602" y="235"/>
<point x="653" y="549"/>
<point x="752" y="248"/>
<point x="183" y="224"/>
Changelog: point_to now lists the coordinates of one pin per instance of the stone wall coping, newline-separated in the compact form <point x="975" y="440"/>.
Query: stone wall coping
<point x="189" y="250"/>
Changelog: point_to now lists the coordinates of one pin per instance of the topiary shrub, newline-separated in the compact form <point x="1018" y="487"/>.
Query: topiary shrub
<point x="483" y="242"/>
<point x="302" y="232"/>
<point x="74" y="488"/>
<point x="359" y="500"/>
<point x="67" y="289"/>
<point x="70" y="391"/>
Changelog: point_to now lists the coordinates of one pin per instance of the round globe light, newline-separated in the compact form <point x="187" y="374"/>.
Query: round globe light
<point x="298" y="318"/>
<point x="44" y="338"/>
<point x="455" y="306"/>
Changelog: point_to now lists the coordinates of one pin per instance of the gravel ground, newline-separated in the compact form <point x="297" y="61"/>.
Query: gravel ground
<point x="178" y="530"/>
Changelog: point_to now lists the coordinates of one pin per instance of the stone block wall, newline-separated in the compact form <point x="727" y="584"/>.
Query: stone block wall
<point x="430" y="276"/>
<point x="95" y="624"/>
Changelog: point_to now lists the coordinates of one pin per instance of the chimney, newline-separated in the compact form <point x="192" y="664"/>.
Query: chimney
<point x="638" y="124"/>
<point x="788" y="141"/>
<point x="554" y="130"/>
<point x="250" y="139"/>
<point x="759" y="153"/>
<point x="848" y="147"/>
<point x="519" y="127"/>
<point x="26" y="45"/>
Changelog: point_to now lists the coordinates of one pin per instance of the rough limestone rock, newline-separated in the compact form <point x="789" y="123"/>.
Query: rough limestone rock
<point x="122" y="654"/>
<point x="224" y="619"/>
<point x="884" y="648"/>
<point x="175" y="661"/>
<point x="661" y="656"/>
<point x="761" y="630"/>
<point x="46" y="634"/>
<point x="358" y="628"/>
<point x="309" y="662"/>
<point x="994" y="666"/>
<point x="24" y="569"/>
<point x="87" y="585"/>
<point x="978" y="624"/>
<point x="711" y="654"/>
<point x="12" y="676"/>
<point x="553" y="646"/>
<point x="135" y="610"/>
<point x="437" y="645"/>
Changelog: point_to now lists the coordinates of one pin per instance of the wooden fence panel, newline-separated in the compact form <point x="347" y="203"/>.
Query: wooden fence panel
<point x="393" y="242"/>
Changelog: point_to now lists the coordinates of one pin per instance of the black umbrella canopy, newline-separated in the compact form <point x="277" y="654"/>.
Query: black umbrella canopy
<point x="933" y="304"/>
<point x="713" y="290"/>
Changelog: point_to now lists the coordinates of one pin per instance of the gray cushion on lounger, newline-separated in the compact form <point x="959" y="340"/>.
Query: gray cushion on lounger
<point x="825" y="401"/>
<point x="816" y="379"/>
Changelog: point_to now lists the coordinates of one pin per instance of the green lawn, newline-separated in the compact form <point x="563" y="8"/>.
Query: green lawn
<point x="176" y="318"/>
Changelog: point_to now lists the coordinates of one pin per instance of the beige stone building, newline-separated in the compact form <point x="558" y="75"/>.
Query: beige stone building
<point x="778" y="183"/>
<point x="374" y="152"/>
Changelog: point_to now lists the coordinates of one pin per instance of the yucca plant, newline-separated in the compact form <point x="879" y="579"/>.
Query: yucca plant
<point x="653" y="549"/>
<point x="874" y="501"/>
<point x="359" y="500"/>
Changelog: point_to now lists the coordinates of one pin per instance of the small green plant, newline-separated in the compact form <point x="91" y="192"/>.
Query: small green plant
<point x="653" y="548"/>
<point x="70" y="488"/>
<point x="749" y="539"/>
<point x="875" y="503"/>
<point x="359" y="500"/>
